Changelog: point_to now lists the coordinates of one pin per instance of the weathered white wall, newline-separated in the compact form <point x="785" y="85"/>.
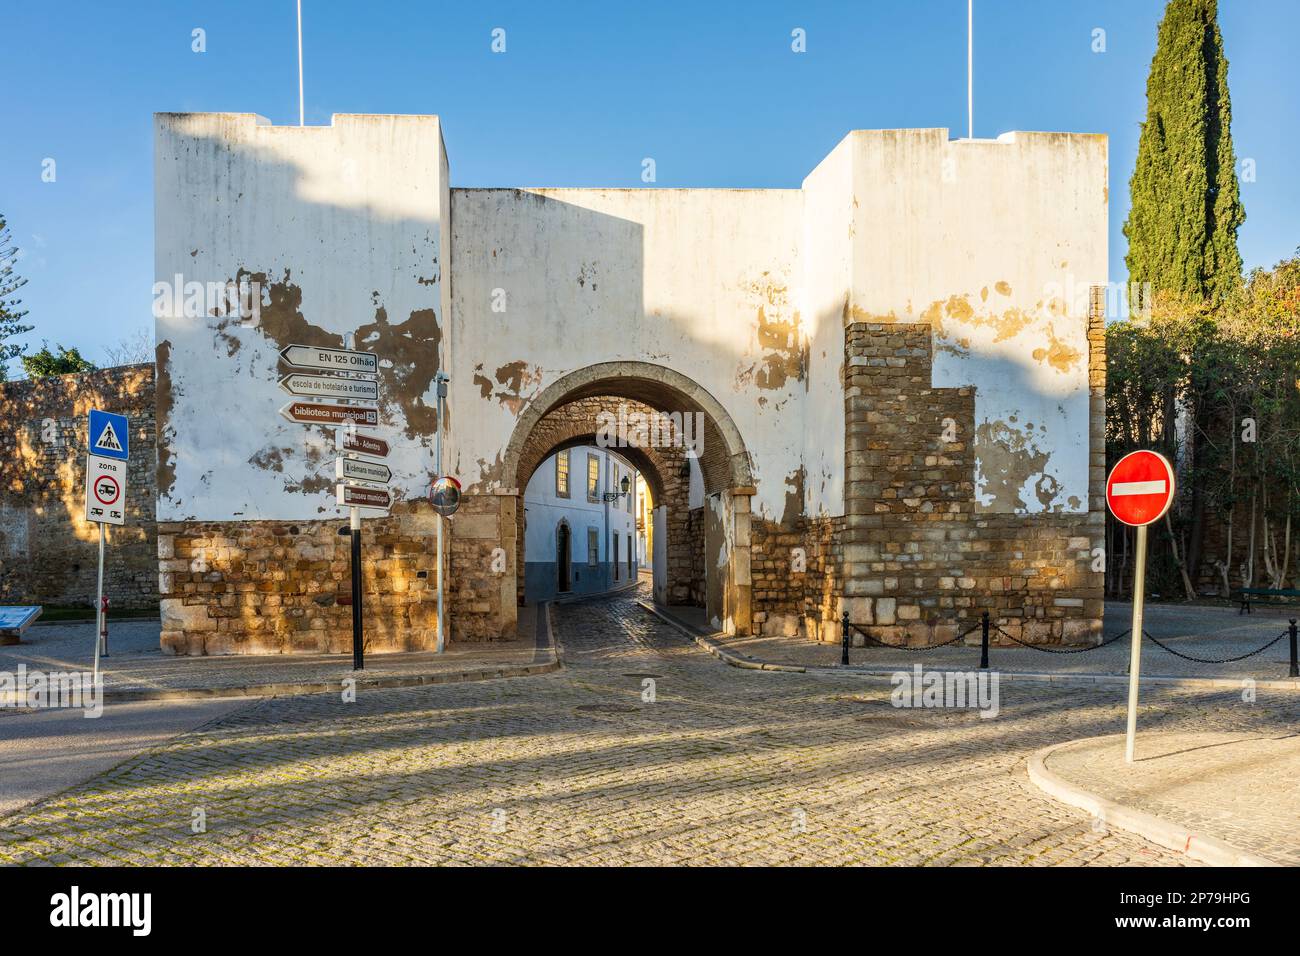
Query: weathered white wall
<point x="742" y="291"/>
<point x="342" y="223"/>
<point x="827" y="268"/>
<point x="996" y="242"/>
<point x="700" y="281"/>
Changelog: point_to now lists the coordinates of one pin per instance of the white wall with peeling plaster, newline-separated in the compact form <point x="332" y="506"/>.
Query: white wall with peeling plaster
<point x="742" y="291"/>
<point x="700" y="281"/>
<point x="346" y="216"/>
<point x="997" y="243"/>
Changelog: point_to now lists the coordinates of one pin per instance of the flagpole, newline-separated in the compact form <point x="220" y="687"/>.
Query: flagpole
<point x="970" y="69"/>
<point x="300" y="109"/>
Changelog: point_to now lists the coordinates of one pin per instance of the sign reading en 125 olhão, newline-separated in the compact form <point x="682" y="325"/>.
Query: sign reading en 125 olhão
<point x="109" y="435"/>
<point x="105" y="490"/>
<point x="335" y="360"/>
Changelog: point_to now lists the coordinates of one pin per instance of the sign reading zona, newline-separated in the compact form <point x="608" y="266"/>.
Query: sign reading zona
<point x="320" y="413"/>
<point x="105" y="490"/>
<point x="336" y="360"/>
<point x="1140" y="488"/>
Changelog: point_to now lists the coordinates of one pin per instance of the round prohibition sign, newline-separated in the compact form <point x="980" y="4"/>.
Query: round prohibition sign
<point x="1140" y="488"/>
<point x="107" y="490"/>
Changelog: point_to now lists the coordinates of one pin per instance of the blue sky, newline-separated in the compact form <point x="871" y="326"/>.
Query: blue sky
<point x="583" y="93"/>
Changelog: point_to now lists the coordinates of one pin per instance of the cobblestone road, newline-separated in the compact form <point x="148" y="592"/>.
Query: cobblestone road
<point x="724" y="766"/>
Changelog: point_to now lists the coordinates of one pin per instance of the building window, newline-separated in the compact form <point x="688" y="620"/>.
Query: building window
<point x="562" y="474"/>
<point x="593" y="478"/>
<point x="631" y="493"/>
<point x="593" y="547"/>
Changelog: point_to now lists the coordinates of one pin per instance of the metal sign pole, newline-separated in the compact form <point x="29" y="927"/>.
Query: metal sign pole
<point x="437" y="467"/>
<point x="99" y="604"/>
<point x="1135" y="654"/>
<point x="358" y="652"/>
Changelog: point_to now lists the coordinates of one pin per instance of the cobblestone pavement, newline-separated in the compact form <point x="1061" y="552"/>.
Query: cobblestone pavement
<point x="1210" y="633"/>
<point x="136" y="663"/>
<point x="724" y="766"/>
<point x="1242" y="788"/>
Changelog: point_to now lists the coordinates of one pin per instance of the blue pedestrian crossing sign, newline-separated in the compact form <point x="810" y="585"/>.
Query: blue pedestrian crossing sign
<point x="109" y="435"/>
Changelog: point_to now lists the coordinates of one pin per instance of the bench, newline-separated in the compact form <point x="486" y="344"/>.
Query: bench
<point x="15" y="620"/>
<point x="1248" y="593"/>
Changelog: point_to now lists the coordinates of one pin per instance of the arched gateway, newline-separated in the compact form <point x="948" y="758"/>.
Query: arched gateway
<point x="896" y="368"/>
<point x="666" y="425"/>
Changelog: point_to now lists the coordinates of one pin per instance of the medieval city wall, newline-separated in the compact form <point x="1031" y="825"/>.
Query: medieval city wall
<point x="49" y="553"/>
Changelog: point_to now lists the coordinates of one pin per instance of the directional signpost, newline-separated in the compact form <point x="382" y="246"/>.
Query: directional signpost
<point x="362" y="469"/>
<point x="349" y="377"/>
<point x="1139" y="491"/>
<point x="108" y="449"/>
<point x="319" y="413"/>
<point x="332" y="360"/>
<point x="330" y="386"/>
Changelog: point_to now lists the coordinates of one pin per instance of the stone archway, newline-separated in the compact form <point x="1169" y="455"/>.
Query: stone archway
<point x="568" y="413"/>
<point x="577" y="423"/>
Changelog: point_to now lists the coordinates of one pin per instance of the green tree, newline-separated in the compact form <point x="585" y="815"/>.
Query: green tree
<point x="45" y="363"/>
<point x="11" y="315"/>
<point x="1186" y="206"/>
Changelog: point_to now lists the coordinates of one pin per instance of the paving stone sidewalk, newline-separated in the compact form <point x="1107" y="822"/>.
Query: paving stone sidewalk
<point x="718" y="765"/>
<point x="1198" y="631"/>
<point x="136" y="668"/>
<point x="1242" y="788"/>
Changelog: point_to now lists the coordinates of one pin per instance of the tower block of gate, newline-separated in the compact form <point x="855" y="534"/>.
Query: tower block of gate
<point x="886" y="382"/>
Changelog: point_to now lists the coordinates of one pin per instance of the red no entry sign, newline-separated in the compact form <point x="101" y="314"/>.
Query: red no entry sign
<point x="1140" y="488"/>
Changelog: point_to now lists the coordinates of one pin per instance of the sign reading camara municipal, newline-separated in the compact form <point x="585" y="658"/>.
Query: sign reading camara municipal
<point x="105" y="490"/>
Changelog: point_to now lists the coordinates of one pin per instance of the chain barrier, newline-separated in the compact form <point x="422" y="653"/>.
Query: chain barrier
<point x="1225" y="660"/>
<point x="1066" y="650"/>
<point x="988" y="627"/>
<point x="906" y="647"/>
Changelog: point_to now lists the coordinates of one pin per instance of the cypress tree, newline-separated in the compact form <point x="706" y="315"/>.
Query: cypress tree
<point x="1186" y="206"/>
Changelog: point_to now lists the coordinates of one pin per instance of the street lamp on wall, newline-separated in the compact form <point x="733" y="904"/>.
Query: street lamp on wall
<point x="625" y="484"/>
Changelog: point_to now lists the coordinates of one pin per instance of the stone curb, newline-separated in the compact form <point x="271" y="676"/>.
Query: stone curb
<point x="1186" y="683"/>
<point x="1172" y="836"/>
<point x="717" y="650"/>
<point x="750" y="663"/>
<point x="293" y="689"/>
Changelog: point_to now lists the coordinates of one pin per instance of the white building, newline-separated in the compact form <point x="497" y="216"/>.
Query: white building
<point x="577" y="540"/>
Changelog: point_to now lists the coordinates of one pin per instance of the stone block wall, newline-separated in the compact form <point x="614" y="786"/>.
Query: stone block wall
<point x="920" y="560"/>
<point x="48" y="551"/>
<point x="481" y="580"/>
<point x="690" y="550"/>
<point x="280" y="587"/>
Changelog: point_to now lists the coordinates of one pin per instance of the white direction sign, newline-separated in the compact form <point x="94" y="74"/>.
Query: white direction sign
<point x="362" y="469"/>
<point x="336" y="360"/>
<point x="105" y="490"/>
<point x="330" y="386"/>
